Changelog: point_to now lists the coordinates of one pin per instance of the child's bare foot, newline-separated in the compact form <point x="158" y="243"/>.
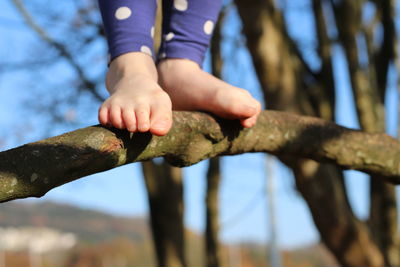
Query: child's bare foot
<point x="136" y="101"/>
<point x="191" y="88"/>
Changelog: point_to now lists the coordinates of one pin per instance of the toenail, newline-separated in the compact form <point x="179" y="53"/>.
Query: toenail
<point x="160" y="125"/>
<point x="251" y="108"/>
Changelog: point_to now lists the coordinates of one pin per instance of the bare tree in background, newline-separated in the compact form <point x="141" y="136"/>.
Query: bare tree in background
<point x="213" y="247"/>
<point x="164" y="185"/>
<point x="165" y="193"/>
<point x="290" y="83"/>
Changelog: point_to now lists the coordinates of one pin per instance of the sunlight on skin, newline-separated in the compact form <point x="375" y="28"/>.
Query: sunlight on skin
<point x="137" y="102"/>
<point x="191" y="88"/>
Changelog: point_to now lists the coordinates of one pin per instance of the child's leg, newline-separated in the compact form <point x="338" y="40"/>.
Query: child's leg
<point x="136" y="101"/>
<point x="187" y="29"/>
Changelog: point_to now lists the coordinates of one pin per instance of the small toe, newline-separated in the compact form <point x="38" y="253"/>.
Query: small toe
<point x="129" y="118"/>
<point x="103" y="116"/>
<point x="115" y="117"/>
<point x="249" y="122"/>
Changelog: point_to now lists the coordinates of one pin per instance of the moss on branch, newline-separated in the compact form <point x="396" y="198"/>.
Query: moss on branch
<point x="35" y="168"/>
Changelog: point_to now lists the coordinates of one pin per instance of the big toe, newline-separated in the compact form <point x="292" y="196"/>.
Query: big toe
<point x="243" y="111"/>
<point x="235" y="103"/>
<point x="161" y="119"/>
<point x="161" y="126"/>
<point x="243" y="108"/>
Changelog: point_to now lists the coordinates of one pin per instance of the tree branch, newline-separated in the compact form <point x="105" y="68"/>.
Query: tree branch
<point x="33" y="169"/>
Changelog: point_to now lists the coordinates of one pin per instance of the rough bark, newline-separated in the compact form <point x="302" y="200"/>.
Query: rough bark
<point x="165" y="193"/>
<point x="35" y="168"/>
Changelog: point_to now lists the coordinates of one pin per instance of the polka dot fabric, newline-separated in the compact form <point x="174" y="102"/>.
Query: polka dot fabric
<point x="129" y="25"/>
<point x="187" y="27"/>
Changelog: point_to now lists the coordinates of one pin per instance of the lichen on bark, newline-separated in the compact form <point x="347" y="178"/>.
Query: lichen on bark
<point x="34" y="169"/>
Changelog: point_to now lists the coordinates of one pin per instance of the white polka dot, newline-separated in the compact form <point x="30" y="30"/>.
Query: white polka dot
<point x="145" y="49"/>
<point x="181" y="5"/>
<point x="169" y="36"/>
<point x="163" y="55"/>
<point x="123" y="13"/>
<point x="208" y="27"/>
<point x="152" y="32"/>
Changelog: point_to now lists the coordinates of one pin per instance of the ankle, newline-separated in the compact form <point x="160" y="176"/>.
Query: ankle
<point x="134" y="63"/>
<point x="177" y="64"/>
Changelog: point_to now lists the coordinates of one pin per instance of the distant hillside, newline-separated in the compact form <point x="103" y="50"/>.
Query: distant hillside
<point x="89" y="225"/>
<point x="104" y="236"/>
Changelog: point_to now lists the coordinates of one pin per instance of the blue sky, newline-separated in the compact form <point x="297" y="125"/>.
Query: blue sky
<point x="243" y="201"/>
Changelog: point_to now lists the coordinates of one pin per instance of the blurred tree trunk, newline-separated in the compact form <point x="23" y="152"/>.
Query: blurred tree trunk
<point x="290" y="84"/>
<point x="165" y="193"/>
<point x="213" y="248"/>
